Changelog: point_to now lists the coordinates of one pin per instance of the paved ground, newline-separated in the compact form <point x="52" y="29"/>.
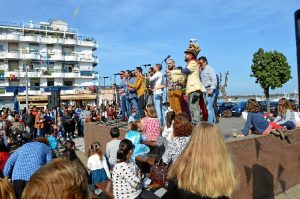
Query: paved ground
<point x="227" y="126"/>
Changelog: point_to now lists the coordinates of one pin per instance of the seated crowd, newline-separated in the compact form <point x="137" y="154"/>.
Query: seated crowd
<point x="198" y="160"/>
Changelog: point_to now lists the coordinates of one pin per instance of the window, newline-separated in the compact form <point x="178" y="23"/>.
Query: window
<point x="1" y="47"/>
<point x="68" y="83"/>
<point x="50" y="82"/>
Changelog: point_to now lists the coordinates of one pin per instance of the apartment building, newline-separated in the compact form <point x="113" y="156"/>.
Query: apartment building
<point x="44" y="55"/>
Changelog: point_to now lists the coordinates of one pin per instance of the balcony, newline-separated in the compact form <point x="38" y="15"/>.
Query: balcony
<point x="9" y="37"/>
<point x="60" y="74"/>
<point x="31" y="74"/>
<point x="71" y="58"/>
<point x="47" y="40"/>
<point x="56" y="57"/>
<point x="12" y="55"/>
<point x="30" y="38"/>
<point x="70" y="42"/>
<point x="31" y="56"/>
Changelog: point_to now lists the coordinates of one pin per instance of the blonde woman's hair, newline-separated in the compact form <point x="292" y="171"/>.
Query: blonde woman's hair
<point x="205" y="167"/>
<point x="59" y="179"/>
<point x="6" y="189"/>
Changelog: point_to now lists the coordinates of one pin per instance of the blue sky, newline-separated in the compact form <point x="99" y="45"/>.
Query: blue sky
<point x="135" y="32"/>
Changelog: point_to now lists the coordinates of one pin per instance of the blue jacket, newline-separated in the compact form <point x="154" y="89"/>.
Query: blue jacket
<point x="257" y="120"/>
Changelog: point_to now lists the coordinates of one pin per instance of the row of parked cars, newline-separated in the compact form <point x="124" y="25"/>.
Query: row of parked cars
<point x="237" y="108"/>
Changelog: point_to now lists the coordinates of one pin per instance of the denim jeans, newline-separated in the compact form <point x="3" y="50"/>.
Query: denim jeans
<point x="209" y="101"/>
<point x="123" y="106"/>
<point x="289" y="125"/>
<point x="159" y="109"/>
<point x="194" y="99"/>
<point x="133" y="102"/>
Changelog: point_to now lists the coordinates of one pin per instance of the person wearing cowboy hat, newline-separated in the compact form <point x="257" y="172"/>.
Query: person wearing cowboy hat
<point x="194" y="87"/>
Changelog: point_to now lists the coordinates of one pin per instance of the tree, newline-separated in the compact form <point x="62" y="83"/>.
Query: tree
<point x="271" y="70"/>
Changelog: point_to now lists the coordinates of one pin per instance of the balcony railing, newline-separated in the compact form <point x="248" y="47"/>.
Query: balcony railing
<point x="51" y="39"/>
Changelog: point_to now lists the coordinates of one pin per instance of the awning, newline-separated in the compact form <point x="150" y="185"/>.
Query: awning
<point x="62" y="97"/>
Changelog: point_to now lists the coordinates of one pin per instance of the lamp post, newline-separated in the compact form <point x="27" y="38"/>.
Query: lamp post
<point x="297" y="30"/>
<point x="26" y="69"/>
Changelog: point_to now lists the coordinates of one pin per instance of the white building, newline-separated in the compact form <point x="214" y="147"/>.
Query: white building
<point x="54" y="55"/>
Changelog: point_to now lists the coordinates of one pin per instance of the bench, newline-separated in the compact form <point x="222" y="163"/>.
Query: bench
<point x="106" y="187"/>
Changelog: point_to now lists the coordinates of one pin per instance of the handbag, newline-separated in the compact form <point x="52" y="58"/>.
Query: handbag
<point x="159" y="173"/>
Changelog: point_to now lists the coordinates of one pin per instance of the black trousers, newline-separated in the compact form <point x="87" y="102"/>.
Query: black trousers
<point x="141" y="105"/>
<point x="145" y="194"/>
<point x="19" y="186"/>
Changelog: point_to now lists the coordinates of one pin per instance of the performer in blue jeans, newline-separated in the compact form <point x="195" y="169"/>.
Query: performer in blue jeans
<point x="156" y="80"/>
<point x="209" y="80"/>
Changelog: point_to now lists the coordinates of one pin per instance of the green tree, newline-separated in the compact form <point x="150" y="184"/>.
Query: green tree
<point x="271" y="70"/>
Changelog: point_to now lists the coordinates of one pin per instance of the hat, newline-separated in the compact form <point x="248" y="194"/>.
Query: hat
<point x="194" y="49"/>
<point x="131" y="119"/>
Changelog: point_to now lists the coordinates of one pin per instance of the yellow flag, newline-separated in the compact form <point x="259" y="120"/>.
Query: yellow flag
<point x="76" y="12"/>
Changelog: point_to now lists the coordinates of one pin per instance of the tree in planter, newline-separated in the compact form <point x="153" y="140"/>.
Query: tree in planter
<point x="271" y="70"/>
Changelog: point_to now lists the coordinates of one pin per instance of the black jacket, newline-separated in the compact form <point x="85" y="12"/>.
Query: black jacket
<point x="174" y="192"/>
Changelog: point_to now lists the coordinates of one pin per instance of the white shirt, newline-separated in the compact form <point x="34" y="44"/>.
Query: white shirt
<point x="95" y="163"/>
<point x="168" y="132"/>
<point x="157" y="79"/>
<point x="126" y="182"/>
<point x="112" y="148"/>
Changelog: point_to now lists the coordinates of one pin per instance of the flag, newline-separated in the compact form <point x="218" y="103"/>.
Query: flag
<point x="76" y="12"/>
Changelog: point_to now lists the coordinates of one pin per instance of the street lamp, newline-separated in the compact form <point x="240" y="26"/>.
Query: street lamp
<point x="297" y="30"/>
<point x="26" y="70"/>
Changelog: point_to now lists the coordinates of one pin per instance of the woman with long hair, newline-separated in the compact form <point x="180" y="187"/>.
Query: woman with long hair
<point x="204" y="169"/>
<point x="286" y="115"/>
<point x="181" y="136"/>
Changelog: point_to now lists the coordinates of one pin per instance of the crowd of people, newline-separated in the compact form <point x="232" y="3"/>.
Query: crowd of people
<point x="198" y="160"/>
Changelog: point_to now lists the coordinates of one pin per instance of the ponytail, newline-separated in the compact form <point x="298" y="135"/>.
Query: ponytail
<point x="124" y="148"/>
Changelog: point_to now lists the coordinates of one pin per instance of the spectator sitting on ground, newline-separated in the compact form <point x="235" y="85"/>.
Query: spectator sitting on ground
<point x="126" y="176"/>
<point x="113" y="146"/>
<point x="204" y="170"/>
<point x="296" y="112"/>
<point x="255" y="118"/>
<point x="167" y="134"/>
<point x="135" y="137"/>
<point x="150" y="124"/>
<point x="59" y="179"/>
<point x="25" y="161"/>
<point x="97" y="164"/>
<point x="181" y="136"/>
<point x="286" y="116"/>
<point x="6" y="189"/>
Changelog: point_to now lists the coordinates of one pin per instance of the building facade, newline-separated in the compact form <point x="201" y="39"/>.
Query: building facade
<point x="44" y="55"/>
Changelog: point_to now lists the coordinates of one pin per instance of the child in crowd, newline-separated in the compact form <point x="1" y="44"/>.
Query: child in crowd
<point x="168" y="130"/>
<point x="113" y="146"/>
<point x="135" y="137"/>
<point x="286" y="115"/>
<point x="150" y="124"/>
<point x="126" y="176"/>
<point x="296" y="112"/>
<point x="97" y="164"/>
<point x="53" y="141"/>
